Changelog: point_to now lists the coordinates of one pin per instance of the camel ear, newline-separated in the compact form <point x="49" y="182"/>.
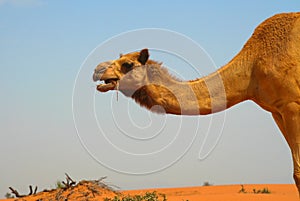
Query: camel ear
<point x="144" y="55"/>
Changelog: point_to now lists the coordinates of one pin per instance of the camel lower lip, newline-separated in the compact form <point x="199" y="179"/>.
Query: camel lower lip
<point x="106" y="87"/>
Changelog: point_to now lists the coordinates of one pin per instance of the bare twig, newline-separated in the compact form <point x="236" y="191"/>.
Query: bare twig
<point x="16" y="193"/>
<point x="35" y="190"/>
<point x="30" y="190"/>
<point x="70" y="181"/>
<point x="102" y="178"/>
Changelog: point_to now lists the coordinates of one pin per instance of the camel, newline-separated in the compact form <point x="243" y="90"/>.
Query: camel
<point x="266" y="71"/>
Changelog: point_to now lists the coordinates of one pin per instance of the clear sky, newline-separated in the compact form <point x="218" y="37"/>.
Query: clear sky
<point x="43" y="49"/>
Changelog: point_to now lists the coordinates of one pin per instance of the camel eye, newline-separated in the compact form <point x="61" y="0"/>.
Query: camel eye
<point x="127" y="66"/>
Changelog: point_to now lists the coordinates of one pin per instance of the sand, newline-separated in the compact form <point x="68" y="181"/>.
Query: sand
<point x="278" y="192"/>
<point x="283" y="192"/>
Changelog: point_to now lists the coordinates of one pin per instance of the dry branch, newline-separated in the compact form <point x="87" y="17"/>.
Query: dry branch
<point x="18" y="195"/>
<point x="70" y="182"/>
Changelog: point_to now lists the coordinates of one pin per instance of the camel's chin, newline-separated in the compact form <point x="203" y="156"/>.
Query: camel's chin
<point x="106" y="87"/>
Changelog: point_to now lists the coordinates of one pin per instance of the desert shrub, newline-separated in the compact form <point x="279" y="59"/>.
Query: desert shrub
<point x="206" y="183"/>
<point x="9" y="195"/>
<point x="259" y="191"/>
<point x="242" y="190"/>
<point x="146" y="197"/>
<point x="59" y="184"/>
<point x="263" y="191"/>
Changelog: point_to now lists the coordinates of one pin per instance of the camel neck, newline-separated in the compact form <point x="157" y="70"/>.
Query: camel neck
<point x="224" y="88"/>
<point x="213" y="93"/>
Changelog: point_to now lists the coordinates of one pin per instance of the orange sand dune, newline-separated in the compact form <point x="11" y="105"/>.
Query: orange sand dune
<point x="279" y="192"/>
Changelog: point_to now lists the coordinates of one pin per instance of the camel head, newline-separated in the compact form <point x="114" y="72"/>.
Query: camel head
<point x="126" y="73"/>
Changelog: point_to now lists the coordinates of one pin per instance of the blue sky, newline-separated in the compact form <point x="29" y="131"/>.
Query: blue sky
<point x="43" y="44"/>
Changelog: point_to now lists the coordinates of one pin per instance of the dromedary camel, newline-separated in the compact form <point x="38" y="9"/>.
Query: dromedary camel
<point x="266" y="71"/>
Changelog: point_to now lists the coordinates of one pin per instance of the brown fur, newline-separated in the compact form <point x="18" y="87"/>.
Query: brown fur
<point x="266" y="71"/>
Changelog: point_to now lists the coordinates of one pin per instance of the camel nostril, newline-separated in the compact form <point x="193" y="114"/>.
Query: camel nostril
<point x="103" y="66"/>
<point x="95" y="77"/>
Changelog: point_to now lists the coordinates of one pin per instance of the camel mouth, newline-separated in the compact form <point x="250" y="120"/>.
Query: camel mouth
<point x="109" y="84"/>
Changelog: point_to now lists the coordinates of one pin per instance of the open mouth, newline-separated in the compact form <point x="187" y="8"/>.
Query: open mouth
<point x="109" y="84"/>
<point x="105" y="77"/>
